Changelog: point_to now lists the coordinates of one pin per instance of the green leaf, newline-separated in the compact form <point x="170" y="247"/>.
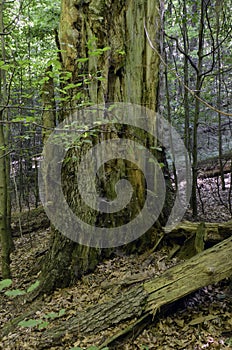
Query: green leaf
<point x="15" y="293"/>
<point x="121" y="52"/>
<point x="107" y="48"/>
<point x="72" y="86"/>
<point x="53" y="315"/>
<point x="61" y="312"/>
<point x="43" y="325"/>
<point x="30" y="323"/>
<point x="156" y="148"/>
<point x="89" y="348"/>
<point x="77" y="96"/>
<point x="33" y="286"/>
<point x="30" y="119"/>
<point x="101" y="78"/>
<point x="87" y="141"/>
<point x="95" y="53"/>
<point x="4" y="66"/>
<point x="5" y="284"/>
<point x="84" y="59"/>
<point x="18" y="119"/>
<point x="96" y="348"/>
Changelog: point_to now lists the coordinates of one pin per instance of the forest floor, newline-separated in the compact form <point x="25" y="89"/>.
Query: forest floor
<point x="202" y="321"/>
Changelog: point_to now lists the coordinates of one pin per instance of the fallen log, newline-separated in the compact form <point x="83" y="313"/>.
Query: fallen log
<point x="190" y="238"/>
<point x="214" y="172"/>
<point x="211" y="167"/>
<point x="146" y="299"/>
<point x="214" y="232"/>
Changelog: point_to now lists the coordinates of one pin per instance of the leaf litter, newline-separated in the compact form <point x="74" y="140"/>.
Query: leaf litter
<point x="202" y="320"/>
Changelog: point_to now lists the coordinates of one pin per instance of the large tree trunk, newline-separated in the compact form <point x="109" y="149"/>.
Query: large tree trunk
<point x="148" y="298"/>
<point x="104" y="46"/>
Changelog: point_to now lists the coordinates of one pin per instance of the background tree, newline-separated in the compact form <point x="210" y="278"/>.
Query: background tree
<point x="24" y="54"/>
<point x="6" y="241"/>
<point x="196" y="46"/>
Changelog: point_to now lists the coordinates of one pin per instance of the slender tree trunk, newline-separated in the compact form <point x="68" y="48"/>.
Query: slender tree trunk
<point x="186" y="79"/>
<point x="5" y="237"/>
<point x="197" y="109"/>
<point x="170" y="121"/>
<point x="219" y="83"/>
<point x="6" y="240"/>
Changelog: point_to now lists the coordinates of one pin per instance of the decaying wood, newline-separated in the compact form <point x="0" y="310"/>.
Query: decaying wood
<point x="211" y="168"/>
<point x="145" y="299"/>
<point x="214" y="232"/>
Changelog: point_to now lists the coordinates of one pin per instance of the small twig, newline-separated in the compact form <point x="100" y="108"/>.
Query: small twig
<point x="6" y="154"/>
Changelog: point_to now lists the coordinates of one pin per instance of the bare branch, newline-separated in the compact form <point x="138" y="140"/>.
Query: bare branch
<point x="182" y="51"/>
<point x="181" y="81"/>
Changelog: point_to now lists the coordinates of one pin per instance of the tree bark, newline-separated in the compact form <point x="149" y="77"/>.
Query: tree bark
<point x="5" y="234"/>
<point x="49" y="112"/>
<point x="125" y="71"/>
<point x="206" y="268"/>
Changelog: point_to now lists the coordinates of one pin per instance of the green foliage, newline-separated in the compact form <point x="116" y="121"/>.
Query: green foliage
<point x="5" y="284"/>
<point x="121" y="52"/>
<point x="42" y="322"/>
<point x="53" y="315"/>
<point x="34" y="323"/>
<point x="89" y="348"/>
<point x="92" y="47"/>
<point x="30" y="323"/>
<point x="16" y="292"/>
<point x="229" y="342"/>
<point x="159" y="149"/>
<point x="33" y="287"/>
<point x="4" y="66"/>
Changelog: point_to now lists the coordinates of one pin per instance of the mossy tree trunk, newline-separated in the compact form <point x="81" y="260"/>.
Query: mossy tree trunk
<point x="49" y="112"/>
<point x="104" y="47"/>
